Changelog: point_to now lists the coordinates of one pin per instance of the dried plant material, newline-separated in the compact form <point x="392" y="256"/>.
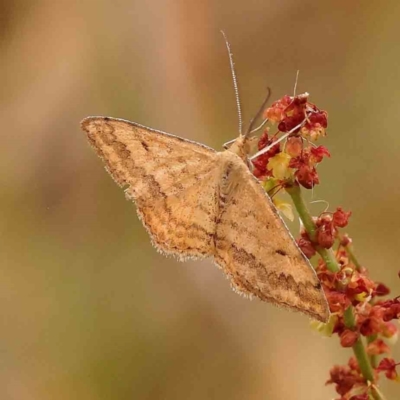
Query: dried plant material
<point x="197" y="203"/>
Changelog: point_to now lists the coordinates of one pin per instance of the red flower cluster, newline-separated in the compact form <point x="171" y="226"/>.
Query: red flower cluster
<point x="298" y="115"/>
<point x="304" y="121"/>
<point x="261" y="162"/>
<point x="388" y="366"/>
<point x="326" y="233"/>
<point x="305" y="163"/>
<point x="348" y="380"/>
<point x="359" y="317"/>
<point x="391" y="307"/>
<point x="351" y="289"/>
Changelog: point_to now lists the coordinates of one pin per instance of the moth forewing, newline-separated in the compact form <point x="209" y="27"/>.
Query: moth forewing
<point x="196" y="202"/>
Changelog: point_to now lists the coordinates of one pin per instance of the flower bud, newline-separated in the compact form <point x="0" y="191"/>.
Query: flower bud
<point x="348" y="338"/>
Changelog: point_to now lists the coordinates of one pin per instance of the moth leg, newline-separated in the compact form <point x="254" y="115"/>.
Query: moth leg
<point x="228" y="144"/>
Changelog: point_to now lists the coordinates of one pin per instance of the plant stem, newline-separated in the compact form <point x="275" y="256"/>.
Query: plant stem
<point x="329" y="258"/>
<point x="352" y="256"/>
<point x="376" y="393"/>
<point x="363" y="361"/>
<point x="295" y="193"/>
<point x="361" y="354"/>
<point x="372" y="358"/>
<point x="327" y="255"/>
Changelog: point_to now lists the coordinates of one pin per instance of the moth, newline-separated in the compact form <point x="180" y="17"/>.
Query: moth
<point x="196" y="203"/>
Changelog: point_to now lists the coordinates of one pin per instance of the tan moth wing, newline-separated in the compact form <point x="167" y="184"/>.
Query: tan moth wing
<point x="173" y="182"/>
<point x="196" y="203"/>
<point x="256" y="250"/>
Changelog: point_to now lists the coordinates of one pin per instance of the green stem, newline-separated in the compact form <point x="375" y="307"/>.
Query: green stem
<point x="376" y="393"/>
<point x="301" y="207"/>
<point x="363" y="360"/>
<point x="352" y="256"/>
<point x="330" y="260"/>
<point x="361" y="354"/>
<point x="309" y="225"/>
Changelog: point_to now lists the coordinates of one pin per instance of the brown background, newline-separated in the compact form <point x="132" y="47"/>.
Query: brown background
<point x="88" y="309"/>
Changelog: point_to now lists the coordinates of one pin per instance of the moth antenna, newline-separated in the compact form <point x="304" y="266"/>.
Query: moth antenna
<point x="235" y="85"/>
<point x="295" y="83"/>
<point x="259" y="112"/>
<point x="254" y="119"/>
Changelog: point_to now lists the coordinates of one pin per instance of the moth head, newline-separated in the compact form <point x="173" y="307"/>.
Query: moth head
<point x="242" y="146"/>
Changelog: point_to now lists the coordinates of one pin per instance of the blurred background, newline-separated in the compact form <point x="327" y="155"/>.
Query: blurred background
<point x="89" y="310"/>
